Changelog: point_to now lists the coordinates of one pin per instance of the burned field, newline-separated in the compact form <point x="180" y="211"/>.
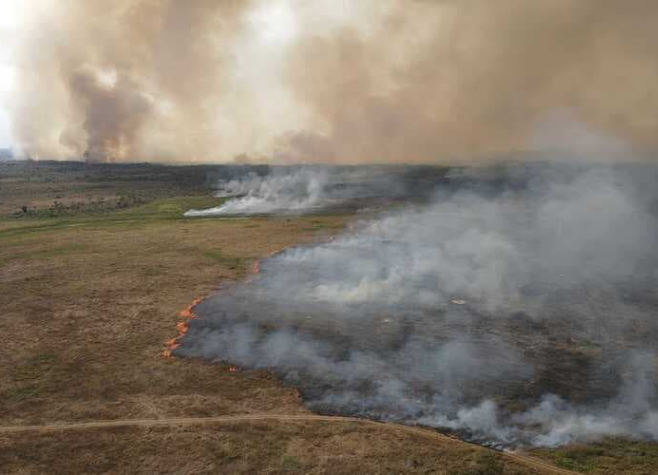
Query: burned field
<point x="515" y="315"/>
<point x="434" y="367"/>
<point x="90" y="297"/>
<point x="368" y="237"/>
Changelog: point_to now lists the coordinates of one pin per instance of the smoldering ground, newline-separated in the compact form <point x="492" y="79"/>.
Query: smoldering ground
<point x="312" y="188"/>
<point x="517" y="314"/>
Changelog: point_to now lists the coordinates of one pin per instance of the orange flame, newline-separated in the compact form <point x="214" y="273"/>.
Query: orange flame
<point x="257" y="266"/>
<point x="183" y="327"/>
<point x="188" y="314"/>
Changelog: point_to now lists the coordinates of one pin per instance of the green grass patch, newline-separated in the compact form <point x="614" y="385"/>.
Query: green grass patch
<point x="29" y="377"/>
<point x="23" y="392"/>
<point x="44" y="253"/>
<point x="60" y="251"/>
<point x="173" y="207"/>
<point x="317" y="225"/>
<point x="606" y="456"/>
<point x="290" y="464"/>
<point x="231" y="262"/>
<point x="158" y="211"/>
<point x="35" y="367"/>
<point x="487" y="463"/>
<point x="576" y="462"/>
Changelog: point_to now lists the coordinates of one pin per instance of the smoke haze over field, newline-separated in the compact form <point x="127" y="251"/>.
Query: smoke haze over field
<point x="307" y="188"/>
<point x="518" y="314"/>
<point x="327" y="81"/>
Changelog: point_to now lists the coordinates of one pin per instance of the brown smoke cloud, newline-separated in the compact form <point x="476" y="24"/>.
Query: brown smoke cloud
<point x="125" y="80"/>
<point x="432" y="79"/>
<point x="368" y="81"/>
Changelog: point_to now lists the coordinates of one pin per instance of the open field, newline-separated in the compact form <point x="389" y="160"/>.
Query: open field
<point x="46" y="189"/>
<point x="89" y="297"/>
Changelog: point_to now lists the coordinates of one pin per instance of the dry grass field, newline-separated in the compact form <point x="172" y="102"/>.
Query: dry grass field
<point x="89" y="297"/>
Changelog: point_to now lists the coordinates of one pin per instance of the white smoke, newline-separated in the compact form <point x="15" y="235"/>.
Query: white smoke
<point x="450" y="313"/>
<point x="302" y="188"/>
<point x="253" y="194"/>
<point x="631" y="414"/>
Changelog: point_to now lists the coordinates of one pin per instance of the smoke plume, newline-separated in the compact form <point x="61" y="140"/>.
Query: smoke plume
<point x="124" y="80"/>
<point x="301" y="189"/>
<point x="325" y="81"/>
<point x="521" y="312"/>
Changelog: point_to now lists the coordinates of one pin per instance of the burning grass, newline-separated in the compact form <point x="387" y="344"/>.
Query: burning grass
<point x="469" y="313"/>
<point x="87" y="302"/>
<point x="76" y="286"/>
<point x="188" y="314"/>
<point x="183" y="327"/>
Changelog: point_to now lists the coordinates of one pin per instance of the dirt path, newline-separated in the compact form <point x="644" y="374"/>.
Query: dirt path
<point x="524" y="459"/>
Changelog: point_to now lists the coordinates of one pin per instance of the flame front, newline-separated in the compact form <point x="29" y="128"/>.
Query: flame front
<point x="183" y="327"/>
<point x="188" y="314"/>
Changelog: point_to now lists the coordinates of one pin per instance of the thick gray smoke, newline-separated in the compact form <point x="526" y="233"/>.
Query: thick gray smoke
<point x="522" y="312"/>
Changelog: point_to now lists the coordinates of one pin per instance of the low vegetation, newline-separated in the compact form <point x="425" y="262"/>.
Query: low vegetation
<point x="88" y="300"/>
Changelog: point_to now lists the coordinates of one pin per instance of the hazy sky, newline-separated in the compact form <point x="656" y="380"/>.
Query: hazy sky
<point x="274" y="26"/>
<point x="323" y="80"/>
<point x="10" y="20"/>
